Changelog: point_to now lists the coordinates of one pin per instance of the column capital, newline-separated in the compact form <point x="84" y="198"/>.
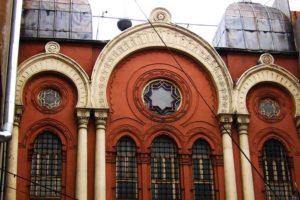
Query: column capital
<point x="18" y="114"/>
<point x="225" y="121"/>
<point x="243" y="121"/>
<point x="83" y="115"/>
<point x="297" y="122"/>
<point x="100" y="117"/>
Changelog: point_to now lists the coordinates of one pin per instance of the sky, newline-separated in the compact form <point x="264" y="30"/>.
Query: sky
<point x="195" y="14"/>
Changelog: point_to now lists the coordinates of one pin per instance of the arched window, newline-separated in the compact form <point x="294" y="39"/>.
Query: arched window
<point x="203" y="175"/>
<point x="46" y="167"/>
<point x="126" y="170"/>
<point x="165" y="175"/>
<point x="276" y="167"/>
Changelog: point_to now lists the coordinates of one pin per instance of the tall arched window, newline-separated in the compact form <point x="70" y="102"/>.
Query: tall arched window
<point x="276" y="167"/>
<point x="46" y="167"/>
<point x="126" y="170"/>
<point x="165" y="175"/>
<point x="203" y="175"/>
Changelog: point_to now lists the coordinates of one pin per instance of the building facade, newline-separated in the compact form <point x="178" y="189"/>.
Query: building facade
<point x="155" y="113"/>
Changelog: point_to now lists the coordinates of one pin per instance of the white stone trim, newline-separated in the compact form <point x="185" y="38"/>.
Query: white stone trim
<point x="54" y="62"/>
<point x="266" y="73"/>
<point x="144" y="36"/>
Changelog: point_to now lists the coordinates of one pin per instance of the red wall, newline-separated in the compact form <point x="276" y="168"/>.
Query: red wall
<point x="128" y="116"/>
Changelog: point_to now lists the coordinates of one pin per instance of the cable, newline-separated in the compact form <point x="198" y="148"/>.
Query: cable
<point x="206" y="103"/>
<point x="23" y="178"/>
<point x="141" y="20"/>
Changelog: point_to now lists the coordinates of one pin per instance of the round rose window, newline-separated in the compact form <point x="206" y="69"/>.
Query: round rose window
<point x="49" y="98"/>
<point x="269" y="108"/>
<point x="162" y="97"/>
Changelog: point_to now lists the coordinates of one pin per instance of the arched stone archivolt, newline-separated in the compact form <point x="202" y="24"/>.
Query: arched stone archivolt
<point x="53" y="61"/>
<point x="176" y="38"/>
<point x="266" y="73"/>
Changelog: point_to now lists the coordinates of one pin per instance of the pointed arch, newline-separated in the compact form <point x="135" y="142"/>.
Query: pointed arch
<point x="176" y="38"/>
<point x="54" y="62"/>
<point x="266" y="73"/>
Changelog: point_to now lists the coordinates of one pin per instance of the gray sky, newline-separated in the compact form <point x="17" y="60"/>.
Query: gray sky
<point x="183" y="11"/>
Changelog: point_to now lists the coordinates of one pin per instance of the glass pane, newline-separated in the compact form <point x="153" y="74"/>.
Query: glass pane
<point x="46" y="166"/>
<point x="276" y="171"/>
<point x="126" y="170"/>
<point x="165" y="179"/>
<point x="269" y="108"/>
<point x="162" y="97"/>
<point x="49" y="98"/>
<point x="203" y="177"/>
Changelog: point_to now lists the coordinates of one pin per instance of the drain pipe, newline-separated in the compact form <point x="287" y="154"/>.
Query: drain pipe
<point x="9" y="104"/>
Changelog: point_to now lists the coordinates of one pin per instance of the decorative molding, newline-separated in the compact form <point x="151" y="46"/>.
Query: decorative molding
<point x="225" y="121"/>
<point x="52" y="47"/>
<point x="100" y="118"/>
<point x="177" y="38"/>
<point x="143" y="158"/>
<point x="266" y="59"/>
<point x="49" y="62"/>
<point x="185" y="159"/>
<point x="175" y="79"/>
<point x="48" y="124"/>
<point x="53" y="85"/>
<point x="18" y="115"/>
<point x="83" y="115"/>
<point x="266" y="73"/>
<point x="243" y="124"/>
<point x="160" y="15"/>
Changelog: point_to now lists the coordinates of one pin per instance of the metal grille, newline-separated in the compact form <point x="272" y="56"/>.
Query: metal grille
<point x="162" y="97"/>
<point x="203" y="176"/>
<point x="46" y="166"/>
<point x="276" y="171"/>
<point x="126" y="170"/>
<point x="165" y="180"/>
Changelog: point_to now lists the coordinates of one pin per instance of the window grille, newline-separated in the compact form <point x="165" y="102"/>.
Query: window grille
<point x="165" y="175"/>
<point x="203" y="176"/>
<point x="46" y="167"/>
<point x="126" y="170"/>
<point x="276" y="168"/>
<point x="162" y="97"/>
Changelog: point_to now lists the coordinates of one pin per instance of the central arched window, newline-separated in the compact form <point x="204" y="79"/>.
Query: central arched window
<point x="203" y="176"/>
<point x="126" y="170"/>
<point x="46" y="167"/>
<point x="165" y="175"/>
<point x="276" y="167"/>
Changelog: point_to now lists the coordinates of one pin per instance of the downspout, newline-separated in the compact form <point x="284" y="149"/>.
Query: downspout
<point x="9" y="104"/>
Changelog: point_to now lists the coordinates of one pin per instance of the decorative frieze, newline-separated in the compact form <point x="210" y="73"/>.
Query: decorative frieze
<point x="83" y="115"/>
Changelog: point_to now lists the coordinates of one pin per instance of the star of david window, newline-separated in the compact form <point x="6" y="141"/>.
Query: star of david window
<point x="49" y="98"/>
<point x="162" y="97"/>
<point x="269" y="108"/>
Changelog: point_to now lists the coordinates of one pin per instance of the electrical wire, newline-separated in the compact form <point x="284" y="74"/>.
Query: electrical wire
<point x="30" y="181"/>
<point x="141" y="20"/>
<point x="206" y="103"/>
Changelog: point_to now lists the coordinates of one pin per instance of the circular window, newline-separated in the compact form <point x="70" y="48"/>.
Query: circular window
<point x="162" y="97"/>
<point x="269" y="108"/>
<point x="49" y="98"/>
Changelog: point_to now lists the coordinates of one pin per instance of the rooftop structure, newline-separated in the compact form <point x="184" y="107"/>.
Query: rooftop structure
<point x="254" y="26"/>
<point x="57" y="19"/>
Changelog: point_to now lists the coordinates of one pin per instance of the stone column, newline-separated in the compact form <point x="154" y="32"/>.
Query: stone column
<point x="247" y="178"/>
<point x="229" y="170"/>
<point x="12" y="157"/>
<point x="81" y="167"/>
<point x="100" y="169"/>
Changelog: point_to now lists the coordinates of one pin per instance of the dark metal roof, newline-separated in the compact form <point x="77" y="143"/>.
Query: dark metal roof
<point x="248" y="25"/>
<point x="57" y="19"/>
